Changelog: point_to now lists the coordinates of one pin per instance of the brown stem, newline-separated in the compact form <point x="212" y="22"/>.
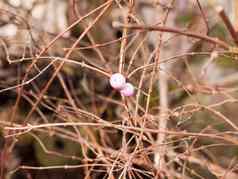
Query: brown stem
<point x="203" y="14"/>
<point x="212" y="40"/>
<point x="228" y="23"/>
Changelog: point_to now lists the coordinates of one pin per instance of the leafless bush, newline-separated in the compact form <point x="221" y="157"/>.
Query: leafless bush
<point x="60" y="117"/>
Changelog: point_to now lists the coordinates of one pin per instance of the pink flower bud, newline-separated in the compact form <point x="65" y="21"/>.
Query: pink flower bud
<point x="117" y="81"/>
<point x="128" y="90"/>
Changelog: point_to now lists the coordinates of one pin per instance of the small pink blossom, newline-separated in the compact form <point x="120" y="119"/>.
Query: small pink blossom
<point x="128" y="90"/>
<point x="117" y="81"/>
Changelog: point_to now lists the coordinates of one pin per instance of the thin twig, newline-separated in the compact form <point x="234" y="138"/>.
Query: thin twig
<point x="212" y="40"/>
